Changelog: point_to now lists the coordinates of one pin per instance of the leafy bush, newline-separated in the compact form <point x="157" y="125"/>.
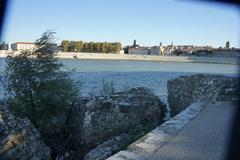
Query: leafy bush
<point x="38" y="88"/>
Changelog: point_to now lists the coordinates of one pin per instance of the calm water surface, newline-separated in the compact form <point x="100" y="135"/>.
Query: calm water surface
<point x="126" y="66"/>
<point x="126" y="74"/>
<point x="142" y="66"/>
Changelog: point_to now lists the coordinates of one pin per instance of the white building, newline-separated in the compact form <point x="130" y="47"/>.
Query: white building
<point x="121" y="51"/>
<point x="157" y="50"/>
<point x="139" y="51"/>
<point x="19" y="46"/>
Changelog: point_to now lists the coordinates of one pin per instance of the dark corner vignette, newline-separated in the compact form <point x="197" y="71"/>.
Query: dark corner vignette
<point x="234" y="143"/>
<point x="3" y="8"/>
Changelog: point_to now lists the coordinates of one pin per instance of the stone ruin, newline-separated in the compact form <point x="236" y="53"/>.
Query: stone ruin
<point x="96" y="120"/>
<point x="19" y="139"/>
<point x="101" y="126"/>
<point x="102" y="122"/>
<point x="185" y="90"/>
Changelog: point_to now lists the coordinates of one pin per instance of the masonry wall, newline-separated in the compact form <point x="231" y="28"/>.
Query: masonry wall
<point x="96" y="120"/>
<point x="185" y="90"/>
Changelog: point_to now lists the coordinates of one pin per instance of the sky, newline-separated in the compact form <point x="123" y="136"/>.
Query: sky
<point x="150" y="22"/>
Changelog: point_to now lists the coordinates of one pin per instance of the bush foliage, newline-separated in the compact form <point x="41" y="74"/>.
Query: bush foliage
<point x="38" y="88"/>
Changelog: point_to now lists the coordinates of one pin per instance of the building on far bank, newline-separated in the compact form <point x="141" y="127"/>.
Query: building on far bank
<point x="20" y="46"/>
<point x="54" y="47"/>
<point x="227" y="45"/>
<point x="135" y="44"/>
<point x="139" y="51"/>
<point x="169" y="49"/>
<point x="59" y="48"/>
<point x="4" y="46"/>
<point x="181" y="50"/>
<point x="155" y="50"/>
<point x="136" y="49"/>
<point x="121" y="51"/>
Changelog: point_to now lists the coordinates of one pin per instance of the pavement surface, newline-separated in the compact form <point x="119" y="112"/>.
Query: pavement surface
<point x="200" y="132"/>
<point x="203" y="138"/>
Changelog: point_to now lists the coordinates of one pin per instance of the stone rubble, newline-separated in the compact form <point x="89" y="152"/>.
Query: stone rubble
<point x="108" y="148"/>
<point x="101" y="126"/>
<point x="96" y="120"/>
<point x="19" y="139"/>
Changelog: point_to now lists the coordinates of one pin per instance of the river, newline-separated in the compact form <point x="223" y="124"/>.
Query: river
<point x="125" y="74"/>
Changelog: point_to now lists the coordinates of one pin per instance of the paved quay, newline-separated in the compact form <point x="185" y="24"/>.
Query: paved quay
<point x="200" y="132"/>
<point x="205" y="137"/>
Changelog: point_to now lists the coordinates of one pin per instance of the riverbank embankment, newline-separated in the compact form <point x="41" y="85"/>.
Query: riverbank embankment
<point x="112" y="56"/>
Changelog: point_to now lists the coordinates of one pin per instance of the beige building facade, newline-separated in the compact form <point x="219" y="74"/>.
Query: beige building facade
<point x="20" y="46"/>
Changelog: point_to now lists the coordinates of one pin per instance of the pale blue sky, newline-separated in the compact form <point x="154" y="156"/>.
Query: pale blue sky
<point x="147" y="21"/>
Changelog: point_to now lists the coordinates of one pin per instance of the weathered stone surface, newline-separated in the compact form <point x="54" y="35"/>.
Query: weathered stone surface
<point x="19" y="139"/>
<point x="185" y="90"/>
<point x="94" y="121"/>
<point x="108" y="148"/>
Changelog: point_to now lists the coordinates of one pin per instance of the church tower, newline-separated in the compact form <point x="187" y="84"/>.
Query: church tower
<point x="161" y="49"/>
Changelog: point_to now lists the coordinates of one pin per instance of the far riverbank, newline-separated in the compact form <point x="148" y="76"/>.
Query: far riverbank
<point x="111" y="56"/>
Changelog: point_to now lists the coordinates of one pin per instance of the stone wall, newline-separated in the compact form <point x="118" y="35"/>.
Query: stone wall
<point x="19" y="139"/>
<point x="185" y="90"/>
<point x="96" y="120"/>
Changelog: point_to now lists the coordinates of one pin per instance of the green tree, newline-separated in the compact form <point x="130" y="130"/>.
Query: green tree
<point x="97" y="47"/>
<point x="65" y="45"/>
<point x="91" y="46"/>
<point x="38" y="88"/>
<point x="86" y="47"/>
<point x="71" y="47"/>
<point x="102" y="47"/>
<point x="78" y="46"/>
<point x="117" y="47"/>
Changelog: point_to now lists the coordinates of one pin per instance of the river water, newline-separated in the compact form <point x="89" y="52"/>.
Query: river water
<point x="126" y="74"/>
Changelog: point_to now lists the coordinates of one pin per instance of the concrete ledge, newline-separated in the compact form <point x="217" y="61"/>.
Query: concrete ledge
<point x="153" y="141"/>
